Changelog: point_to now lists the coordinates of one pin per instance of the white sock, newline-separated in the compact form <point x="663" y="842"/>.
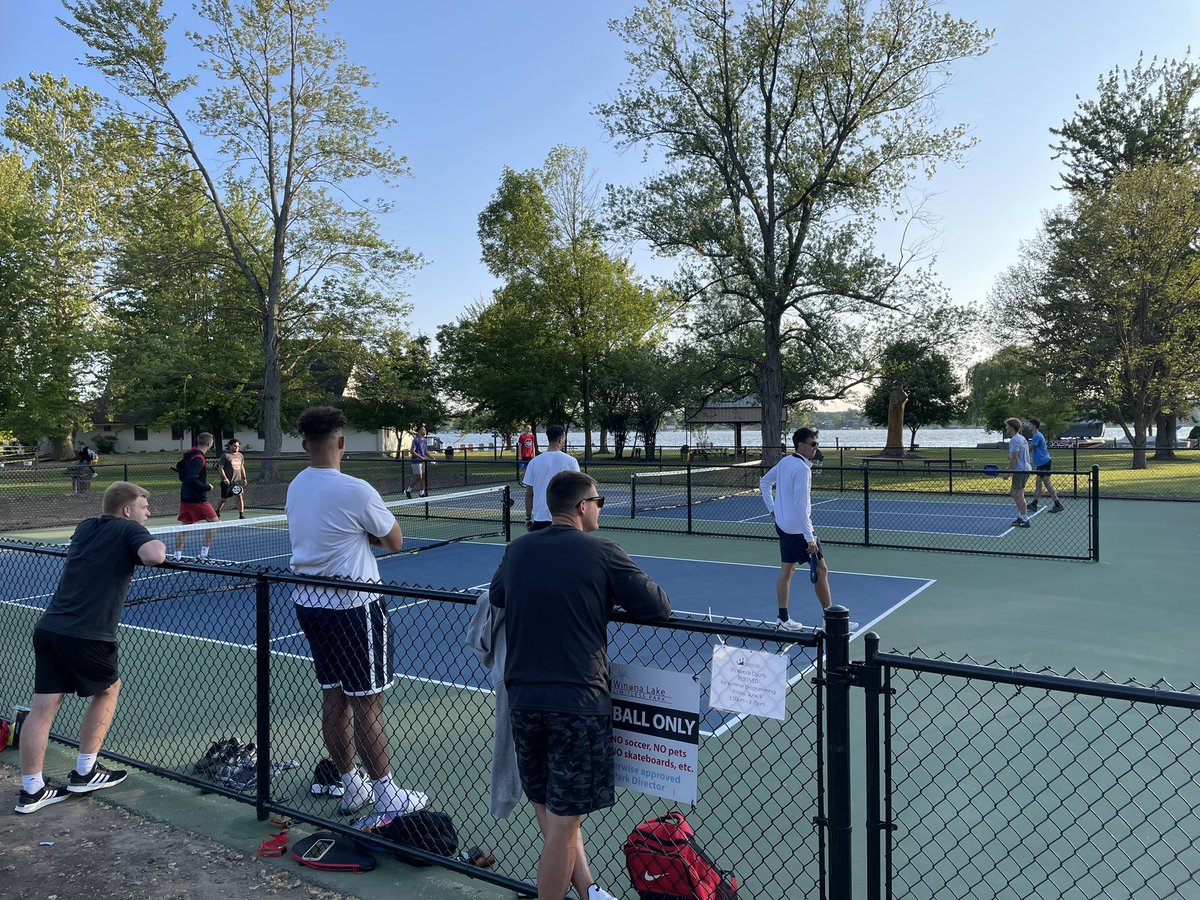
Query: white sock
<point x="31" y="784"/>
<point x="85" y="762"/>
<point x="178" y="554"/>
<point x="352" y="782"/>
<point x="387" y="795"/>
<point x="203" y="552"/>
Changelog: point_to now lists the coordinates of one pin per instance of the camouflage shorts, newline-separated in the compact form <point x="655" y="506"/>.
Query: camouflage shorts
<point x="565" y="760"/>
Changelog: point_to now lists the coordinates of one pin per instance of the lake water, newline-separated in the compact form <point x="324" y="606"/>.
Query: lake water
<point x="723" y="437"/>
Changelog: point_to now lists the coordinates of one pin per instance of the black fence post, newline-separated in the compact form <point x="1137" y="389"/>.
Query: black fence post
<point x="950" y="467"/>
<point x="1075" y="468"/>
<point x="872" y="683"/>
<point x="689" y="496"/>
<point x="1095" y="513"/>
<point x="841" y="469"/>
<point x="262" y="659"/>
<point x="508" y="505"/>
<point x="837" y="737"/>
<point x="866" y="505"/>
<point x="125" y="472"/>
<point x="466" y="471"/>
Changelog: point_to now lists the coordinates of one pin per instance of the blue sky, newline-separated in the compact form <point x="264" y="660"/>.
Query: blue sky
<point x="475" y="86"/>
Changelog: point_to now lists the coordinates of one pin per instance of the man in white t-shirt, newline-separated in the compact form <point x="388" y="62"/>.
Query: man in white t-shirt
<point x="1020" y="467"/>
<point x="333" y="520"/>
<point x="790" y="504"/>
<point x="538" y="473"/>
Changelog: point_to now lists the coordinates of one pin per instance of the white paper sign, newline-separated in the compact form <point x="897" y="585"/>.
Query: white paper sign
<point x="749" y="681"/>
<point x="656" y="731"/>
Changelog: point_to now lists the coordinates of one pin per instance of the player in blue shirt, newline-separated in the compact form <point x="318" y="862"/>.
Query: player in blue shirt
<point x="1041" y="462"/>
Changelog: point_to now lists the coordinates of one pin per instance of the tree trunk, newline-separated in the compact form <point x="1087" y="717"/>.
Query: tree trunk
<point x="895" y="427"/>
<point x="272" y="395"/>
<point x="1139" y="443"/>
<point x="771" y="388"/>
<point x="1164" y="438"/>
<point x="912" y="438"/>
<point x="603" y="439"/>
<point x="651" y="438"/>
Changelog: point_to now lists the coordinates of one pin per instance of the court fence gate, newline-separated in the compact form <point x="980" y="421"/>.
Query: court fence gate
<point x="974" y="780"/>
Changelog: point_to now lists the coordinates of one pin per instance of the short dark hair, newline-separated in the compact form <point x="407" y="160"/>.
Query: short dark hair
<point x="554" y="432"/>
<point x="317" y="423"/>
<point x="1036" y="423"/>
<point x="802" y="436"/>
<point x="566" y="489"/>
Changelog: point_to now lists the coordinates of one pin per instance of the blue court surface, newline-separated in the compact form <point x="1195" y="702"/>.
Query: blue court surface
<point x="221" y="609"/>
<point x="977" y="517"/>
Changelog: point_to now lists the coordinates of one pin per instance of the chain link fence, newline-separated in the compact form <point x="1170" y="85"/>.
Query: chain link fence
<point x="219" y="692"/>
<point x="1001" y="782"/>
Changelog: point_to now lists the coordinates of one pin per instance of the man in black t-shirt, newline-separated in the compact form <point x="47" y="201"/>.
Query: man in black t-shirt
<point x="558" y="587"/>
<point x="75" y="642"/>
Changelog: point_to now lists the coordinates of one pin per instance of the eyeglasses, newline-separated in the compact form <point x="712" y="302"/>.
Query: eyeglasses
<point x="812" y="444"/>
<point x="599" y="501"/>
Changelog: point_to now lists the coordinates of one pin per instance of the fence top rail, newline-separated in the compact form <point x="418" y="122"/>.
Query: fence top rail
<point x="1041" y="680"/>
<point x="427" y="592"/>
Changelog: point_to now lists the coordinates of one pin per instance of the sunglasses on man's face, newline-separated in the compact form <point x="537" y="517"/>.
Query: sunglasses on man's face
<point x="599" y="501"/>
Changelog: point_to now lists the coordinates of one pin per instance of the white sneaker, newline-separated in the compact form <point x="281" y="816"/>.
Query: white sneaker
<point x="402" y="802"/>
<point x="596" y="893"/>
<point x="789" y="625"/>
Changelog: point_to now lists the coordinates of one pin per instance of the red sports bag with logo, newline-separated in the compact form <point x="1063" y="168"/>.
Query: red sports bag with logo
<point x="665" y="863"/>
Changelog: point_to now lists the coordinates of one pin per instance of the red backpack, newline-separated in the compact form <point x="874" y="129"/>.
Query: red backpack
<point x="665" y="863"/>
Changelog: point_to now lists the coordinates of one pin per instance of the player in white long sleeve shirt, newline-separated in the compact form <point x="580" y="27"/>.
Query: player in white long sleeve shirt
<point x="787" y="492"/>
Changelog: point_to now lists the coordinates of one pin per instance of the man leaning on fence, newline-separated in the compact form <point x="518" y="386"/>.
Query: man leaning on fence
<point x="333" y="519"/>
<point x="558" y="587"/>
<point x="75" y="642"/>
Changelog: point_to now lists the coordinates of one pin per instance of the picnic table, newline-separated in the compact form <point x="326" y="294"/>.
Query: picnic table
<point x="868" y="461"/>
<point x="963" y="462"/>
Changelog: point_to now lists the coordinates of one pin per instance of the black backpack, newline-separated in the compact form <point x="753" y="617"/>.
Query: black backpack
<point x="180" y="468"/>
<point x="427" y="830"/>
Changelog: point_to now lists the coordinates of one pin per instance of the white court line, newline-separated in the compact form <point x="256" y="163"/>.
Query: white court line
<point x="737" y="720"/>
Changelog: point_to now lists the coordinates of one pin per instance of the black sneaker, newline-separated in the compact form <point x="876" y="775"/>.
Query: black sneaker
<point x="408" y="493"/>
<point x="98" y="779"/>
<point x="1033" y="505"/>
<point x="30" y="803"/>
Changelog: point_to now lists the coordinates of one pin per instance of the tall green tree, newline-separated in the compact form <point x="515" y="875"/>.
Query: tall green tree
<point x="295" y="136"/>
<point x="503" y="367"/>
<point x="393" y="385"/>
<point x="785" y="127"/>
<point x="1112" y="294"/>
<point x="542" y="234"/>
<point x="1145" y="115"/>
<point x="927" y="378"/>
<point x="78" y="159"/>
<point x="1014" y="381"/>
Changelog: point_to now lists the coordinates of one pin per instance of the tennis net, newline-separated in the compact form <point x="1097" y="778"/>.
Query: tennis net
<point x="426" y="522"/>
<point x="676" y="488"/>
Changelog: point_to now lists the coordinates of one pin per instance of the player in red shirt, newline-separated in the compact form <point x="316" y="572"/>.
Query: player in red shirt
<point x="526" y="447"/>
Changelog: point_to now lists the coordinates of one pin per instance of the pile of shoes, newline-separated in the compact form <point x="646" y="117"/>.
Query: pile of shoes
<point x="233" y="764"/>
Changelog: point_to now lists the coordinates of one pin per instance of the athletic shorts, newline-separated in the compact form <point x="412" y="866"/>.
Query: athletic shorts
<point x="418" y="468"/>
<point x="190" y="513"/>
<point x="1019" y="479"/>
<point x="65" y="664"/>
<point x="565" y="760"/>
<point x="1045" y="467"/>
<point x="793" y="548"/>
<point x="351" y="648"/>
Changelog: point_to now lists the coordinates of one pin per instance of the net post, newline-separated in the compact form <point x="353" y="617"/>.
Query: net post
<point x="508" y="502"/>
<point x="633" y="496"/>
<point x="1075" y="469"/>
<point x="262" y="660"/>
<point x="1095" y="513"/>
